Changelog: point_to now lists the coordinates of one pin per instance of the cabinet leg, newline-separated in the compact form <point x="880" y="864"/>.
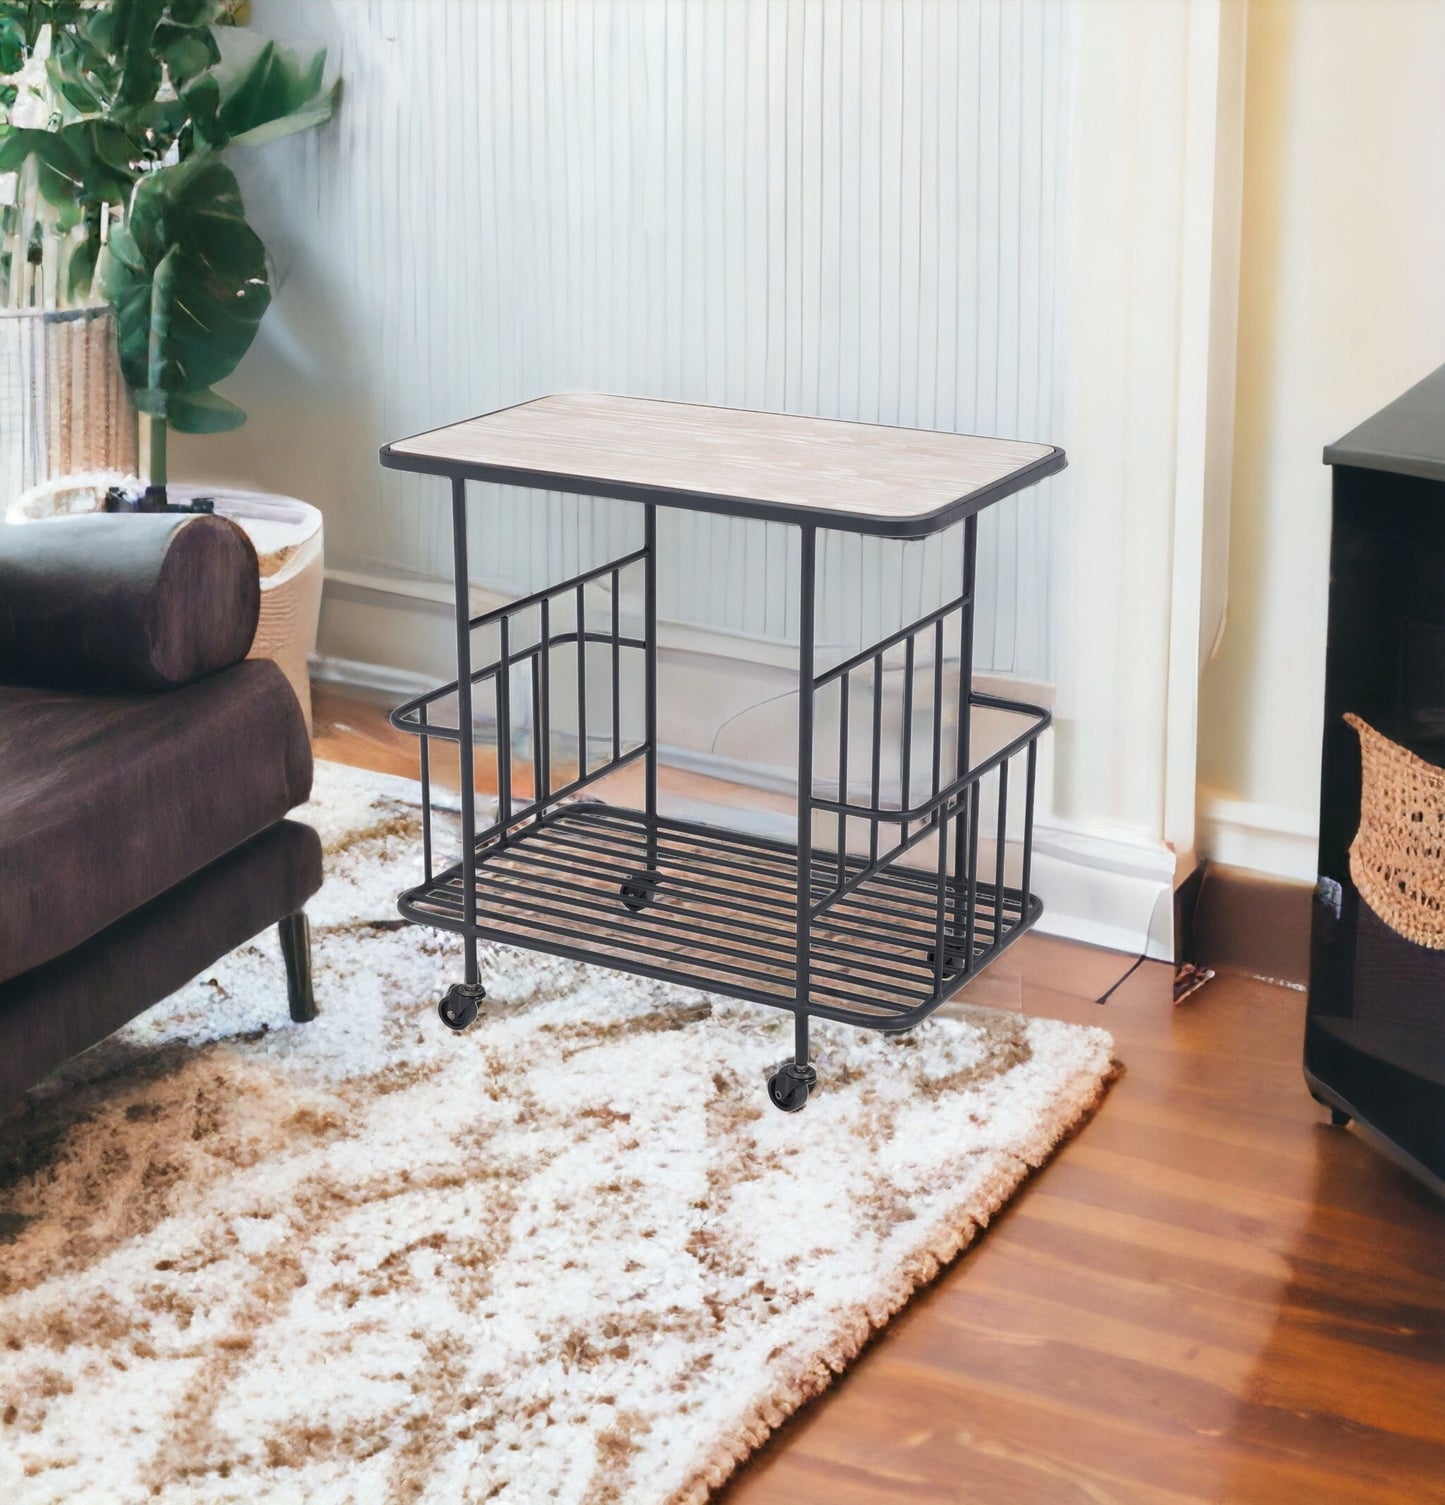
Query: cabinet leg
<point x="295" y="932"/>
<point x="1338" y="1117"/>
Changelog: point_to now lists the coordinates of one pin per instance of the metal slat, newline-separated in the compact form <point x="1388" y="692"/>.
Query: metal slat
<point x="556" y="885"/>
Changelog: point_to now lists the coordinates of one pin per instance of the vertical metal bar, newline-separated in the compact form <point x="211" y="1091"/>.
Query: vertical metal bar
<point x="940" y="815"/>
<point x="425" y="794"/>
<point x="877" y="754"/>
<point x="1001" y="849"/>
<point x="649" y="692"/>
<point x="536" y="715"/>
<point x="543" y="741"/>
<point x="843" y="777"/>
<point x="806" y="691"/>
<point x="937" y="708"/>
<point x="581" y="683"/>
<point x="940" y="946"/>
<point x="1028" y="832"/>
<point x="504" y="725"/>
<point x="906" y="758"/>
<point x="973" y="804"/>
<point x="465" y="753"/>
<point x="965" y="725"/>
<point x="616" y="664"/>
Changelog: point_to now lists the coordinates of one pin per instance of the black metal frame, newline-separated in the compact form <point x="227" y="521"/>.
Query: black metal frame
<point x="871" y="940"/>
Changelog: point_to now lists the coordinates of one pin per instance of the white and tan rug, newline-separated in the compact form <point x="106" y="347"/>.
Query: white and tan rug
<point x="572" y="1255"/>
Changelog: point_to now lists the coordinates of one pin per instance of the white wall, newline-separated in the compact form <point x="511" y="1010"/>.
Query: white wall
<point x="1342" y="308"/>
<point x="838" y="207"/>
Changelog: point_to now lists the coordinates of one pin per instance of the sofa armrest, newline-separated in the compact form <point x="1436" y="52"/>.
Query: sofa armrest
<point x="117" y="602"/>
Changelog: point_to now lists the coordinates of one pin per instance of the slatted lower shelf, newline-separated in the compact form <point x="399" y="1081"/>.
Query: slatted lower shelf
<point x="722" y="913"/>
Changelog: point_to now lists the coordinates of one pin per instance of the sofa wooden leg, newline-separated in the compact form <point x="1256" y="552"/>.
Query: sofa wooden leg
<point x="295" y="934"/>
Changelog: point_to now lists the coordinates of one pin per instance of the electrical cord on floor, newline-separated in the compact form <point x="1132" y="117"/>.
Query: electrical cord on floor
<point x="1138" y="962"/>
<point x="755" y="706"/>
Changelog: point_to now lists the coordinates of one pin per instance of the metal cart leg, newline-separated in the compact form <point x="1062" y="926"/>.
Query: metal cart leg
<point x="790" y="1085"/>
<point x="638" y="890"/>
<point x="649" y="633"/>
<point x="458" y="1007"/>
<point x="958" y="949"/>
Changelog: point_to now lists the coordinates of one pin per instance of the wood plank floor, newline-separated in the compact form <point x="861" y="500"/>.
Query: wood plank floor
<point x="1210" y="1295"/>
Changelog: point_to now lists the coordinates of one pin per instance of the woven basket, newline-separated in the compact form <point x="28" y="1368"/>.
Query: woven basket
<point x="63" y="405"/>
<point x="1397" y="858"/>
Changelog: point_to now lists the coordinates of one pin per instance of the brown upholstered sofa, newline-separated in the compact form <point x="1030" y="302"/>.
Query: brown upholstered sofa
<point x="145" y="772"/>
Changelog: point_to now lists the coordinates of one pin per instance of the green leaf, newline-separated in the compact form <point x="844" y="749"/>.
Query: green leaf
<point x="195" y="12"/>
<point x="133" y="43"/>
<point x="87" y="160"/>
<point x="105" y="155"/>
<point x="186" y="51"/>
<point x="114" y="146"/>
<point x="318" y="112"/>
<point x="186" y="276"/>
<point x="266" y="86"/>
<point x="62" y="174"/>
<point x="72" y="86"/>
<point x="68" y="215"/>
<point x="203" y="104"/>
<point x="203" y="413"/>
<point x="12" y="45"/>
<point x="82" y="270"/>
<point x="162" y="118"/>
<point x="83" y="73"/>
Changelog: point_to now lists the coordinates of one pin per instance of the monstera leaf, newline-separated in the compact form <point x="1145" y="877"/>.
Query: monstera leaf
<point x="186" y="277"/>
<point x="257" y="92"/>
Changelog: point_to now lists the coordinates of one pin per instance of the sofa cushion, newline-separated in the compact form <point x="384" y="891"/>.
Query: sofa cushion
<point x="49" y="1014"/>
<point x="106" y="801"/>
<point x="113" y="602"/>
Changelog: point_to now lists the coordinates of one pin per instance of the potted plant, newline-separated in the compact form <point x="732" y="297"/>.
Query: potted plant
<point x="118" y="115"/>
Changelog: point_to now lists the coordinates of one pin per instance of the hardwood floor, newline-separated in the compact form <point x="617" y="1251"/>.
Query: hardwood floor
<point x="1209" y="1295"/>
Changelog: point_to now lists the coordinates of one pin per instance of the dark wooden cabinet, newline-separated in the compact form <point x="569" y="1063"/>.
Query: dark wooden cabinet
<point x="1375" y="1031"/>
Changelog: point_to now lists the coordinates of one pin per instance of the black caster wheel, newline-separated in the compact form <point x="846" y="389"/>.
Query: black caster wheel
<point x="952" y="962"/>
<point x="637" y="893"/>
<point x="458" y="1007"/>
<point x="788" y="1087"/>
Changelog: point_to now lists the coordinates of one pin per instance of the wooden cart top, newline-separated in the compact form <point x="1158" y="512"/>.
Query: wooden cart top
<point x="858" y="477"/>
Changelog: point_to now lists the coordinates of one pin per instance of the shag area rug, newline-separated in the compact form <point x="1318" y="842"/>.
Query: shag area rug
<point x="572" y="1255"/>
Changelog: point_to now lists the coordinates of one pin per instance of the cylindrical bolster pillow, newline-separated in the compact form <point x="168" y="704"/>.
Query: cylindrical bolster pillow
<point x="119" y="602"/>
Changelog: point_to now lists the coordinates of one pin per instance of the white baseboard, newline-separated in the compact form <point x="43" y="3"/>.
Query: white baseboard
<point x="1101" y="886"/>
<point x="1272" y="839"/>
<point x="353" y="674"/>
<point x="1105" y="888"/>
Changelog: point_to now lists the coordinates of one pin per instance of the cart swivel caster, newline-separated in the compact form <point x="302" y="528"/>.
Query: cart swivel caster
<point x="458" y="1007"/>
<point x="637" y="892"/>
<point x="952" y="961"/>
<point x="789" y="1086"/>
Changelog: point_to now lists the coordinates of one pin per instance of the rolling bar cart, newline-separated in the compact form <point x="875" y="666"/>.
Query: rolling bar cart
<point x="883" y="907"/>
